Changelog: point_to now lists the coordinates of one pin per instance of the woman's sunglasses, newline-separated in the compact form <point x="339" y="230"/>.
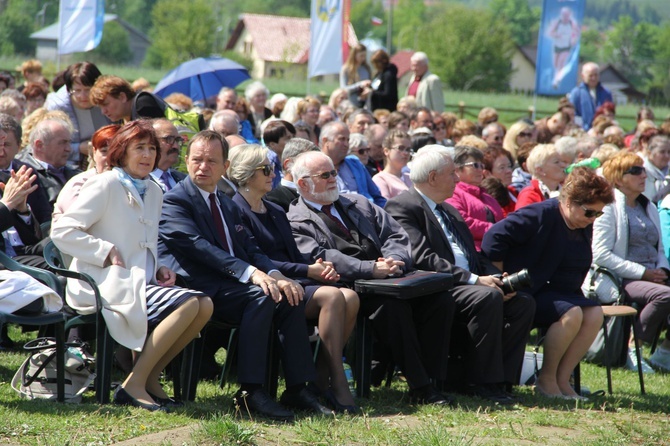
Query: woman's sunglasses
<point x="363" y="151"/>
<point x="591" y="213"/>
<point x="636" y="170"/>
<point x="267" y="169"/>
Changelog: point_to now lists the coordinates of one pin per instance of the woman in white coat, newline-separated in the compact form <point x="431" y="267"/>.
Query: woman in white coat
<point x="111" y="231"/>
<point x="627" y="240"/>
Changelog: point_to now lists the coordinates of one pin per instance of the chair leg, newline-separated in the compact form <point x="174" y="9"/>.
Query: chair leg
<point x="230" y="354"/>
<point x="192" y="357"/>
<point x="272" y="373"/>
<point x="638" y="356"/>
<point x="608" y="366"/>
<point x="103" y="368"/>
<point x="363" y="363"/>
<point x="60" y="362"/>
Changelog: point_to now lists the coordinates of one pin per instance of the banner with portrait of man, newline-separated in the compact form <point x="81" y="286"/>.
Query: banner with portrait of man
<point x="557" y="63"/>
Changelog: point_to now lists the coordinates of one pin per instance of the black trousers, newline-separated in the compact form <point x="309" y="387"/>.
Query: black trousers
<point x="248" y="306"/>
<point x="416" y="332"/>
<point x="497" y="332"/>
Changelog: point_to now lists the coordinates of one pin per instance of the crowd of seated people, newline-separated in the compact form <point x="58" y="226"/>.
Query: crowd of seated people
<point x="267" y="216"/>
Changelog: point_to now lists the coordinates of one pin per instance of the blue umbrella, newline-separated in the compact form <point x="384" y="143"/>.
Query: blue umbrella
<point x="202" y="78"/>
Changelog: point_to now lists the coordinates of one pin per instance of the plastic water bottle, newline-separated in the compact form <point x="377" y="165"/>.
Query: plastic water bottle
<point x="593" y="163"/>
<point x="349" y="375"/>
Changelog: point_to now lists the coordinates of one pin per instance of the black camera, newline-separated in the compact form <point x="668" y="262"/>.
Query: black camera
<point x="515" y="282"/>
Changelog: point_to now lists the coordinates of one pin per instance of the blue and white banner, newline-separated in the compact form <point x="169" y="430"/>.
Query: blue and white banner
<point x="325" y="47"/>
<point x="557" y="63"/>
<point x="80" y="25"/>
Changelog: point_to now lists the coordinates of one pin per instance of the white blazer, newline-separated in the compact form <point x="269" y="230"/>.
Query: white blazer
<point x="610" y="239"/>
<point x="106" y="214"/>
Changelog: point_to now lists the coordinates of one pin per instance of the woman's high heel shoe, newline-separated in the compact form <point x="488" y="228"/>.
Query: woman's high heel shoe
<point x="166" y="402"/>
<point x="341" y="408"/>
<point x="123" y="398"/>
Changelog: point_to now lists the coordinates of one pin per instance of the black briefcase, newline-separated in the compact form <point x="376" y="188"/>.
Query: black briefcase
<point x="409" y="286"/>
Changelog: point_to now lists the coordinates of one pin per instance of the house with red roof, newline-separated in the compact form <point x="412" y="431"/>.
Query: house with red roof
<point x="277" y="45"/>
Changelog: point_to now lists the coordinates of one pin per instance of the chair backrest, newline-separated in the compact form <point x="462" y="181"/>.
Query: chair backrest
<point x="53" y="256"/>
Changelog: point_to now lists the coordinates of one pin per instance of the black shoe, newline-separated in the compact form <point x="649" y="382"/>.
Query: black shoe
<point x="492" y="393"/>
<point x="304" y="400"/>
<point x="429" y="395"/>
<point x="166" y="402"/>
<point x="123" y="398"/>
<point x="341" y="408"/>
<point x="259" y="402"/>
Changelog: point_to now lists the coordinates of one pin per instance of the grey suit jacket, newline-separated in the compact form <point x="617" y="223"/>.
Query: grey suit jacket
<point x="429" y="94"/>
<point x="314" y="238"/>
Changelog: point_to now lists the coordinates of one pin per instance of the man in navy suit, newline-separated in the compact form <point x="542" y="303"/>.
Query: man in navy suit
<point x="203" y="239"/>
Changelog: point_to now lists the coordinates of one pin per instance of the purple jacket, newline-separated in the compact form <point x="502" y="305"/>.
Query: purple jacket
<point x="471" y="202"/>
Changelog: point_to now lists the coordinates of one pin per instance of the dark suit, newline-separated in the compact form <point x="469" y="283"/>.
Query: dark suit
<point x="50" y="183"/>
<point x="39" y="205"/>
<point x="30" y="233"/>
<point x="190" y="244"/>
<point x="416" y="331"/>
<point x="224" y="186"/>
<point x="282" y="196"/>
<point x="174" y="174"/>
<point x="296" y="264"/>
<point x="497" y="343"/>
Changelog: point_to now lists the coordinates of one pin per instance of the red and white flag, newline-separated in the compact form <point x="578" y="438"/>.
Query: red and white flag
<point x="376" y="21"/>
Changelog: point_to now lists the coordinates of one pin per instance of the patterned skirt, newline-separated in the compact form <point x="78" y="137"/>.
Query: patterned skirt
<point x="162" y="300"/>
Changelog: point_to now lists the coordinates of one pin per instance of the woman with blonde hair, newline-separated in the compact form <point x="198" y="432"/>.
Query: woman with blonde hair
<point x="548" y="171"/>
<point x="356" y="74"/>
<point x="520" y="132"/>
<point x="308" y="113"/>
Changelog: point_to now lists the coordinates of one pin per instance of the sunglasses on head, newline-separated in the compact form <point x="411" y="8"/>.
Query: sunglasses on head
<point x="635" y="170"/>
<point x="591" y="213"/>
<point x="267" y="169"/>
<point x="476" y="165"/>
<point x="324" y="175"/>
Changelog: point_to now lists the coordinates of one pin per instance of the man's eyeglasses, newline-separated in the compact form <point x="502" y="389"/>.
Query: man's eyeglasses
<point x="636" y="170"/>
<point x="170" y="140"/>
<point x="84" y="92"/>
<point x="476" y="165"/>
<point x="267" y="169"/>
<point x="324" y="175"/>
<point x="591" y="213"/>
<point x="402" y="149"/>
<point x="362" y="151"/>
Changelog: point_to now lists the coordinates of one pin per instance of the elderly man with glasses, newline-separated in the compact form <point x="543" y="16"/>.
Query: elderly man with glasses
<point x="364" y="242"/>
<point x="171" y="143"/>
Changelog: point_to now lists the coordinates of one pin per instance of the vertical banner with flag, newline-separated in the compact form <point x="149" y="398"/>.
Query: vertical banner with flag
<point x="326" y="34"/>
<point x="557" y="63"/>
<point x="80" y="25"/>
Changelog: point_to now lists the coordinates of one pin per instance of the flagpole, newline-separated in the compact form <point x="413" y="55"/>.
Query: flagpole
<point x="60" y="34"/>
<point x="389" y="28"/>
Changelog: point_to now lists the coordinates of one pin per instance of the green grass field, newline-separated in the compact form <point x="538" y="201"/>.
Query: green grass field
<point x="624" y="418"/>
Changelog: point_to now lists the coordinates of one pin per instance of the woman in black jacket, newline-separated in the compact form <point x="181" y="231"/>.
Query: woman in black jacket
<point x="385" y="83"/>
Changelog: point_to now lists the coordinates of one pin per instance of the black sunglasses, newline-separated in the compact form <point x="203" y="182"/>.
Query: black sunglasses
<point x="636" y="170"/>
<point x="591" y="213"/>
<point x="267" y="169"/>
<point x="363" y="151"/>
<point x="324" y="175"/>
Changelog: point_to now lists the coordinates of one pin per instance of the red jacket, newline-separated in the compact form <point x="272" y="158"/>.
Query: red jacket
<point x="530" y="194"/>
